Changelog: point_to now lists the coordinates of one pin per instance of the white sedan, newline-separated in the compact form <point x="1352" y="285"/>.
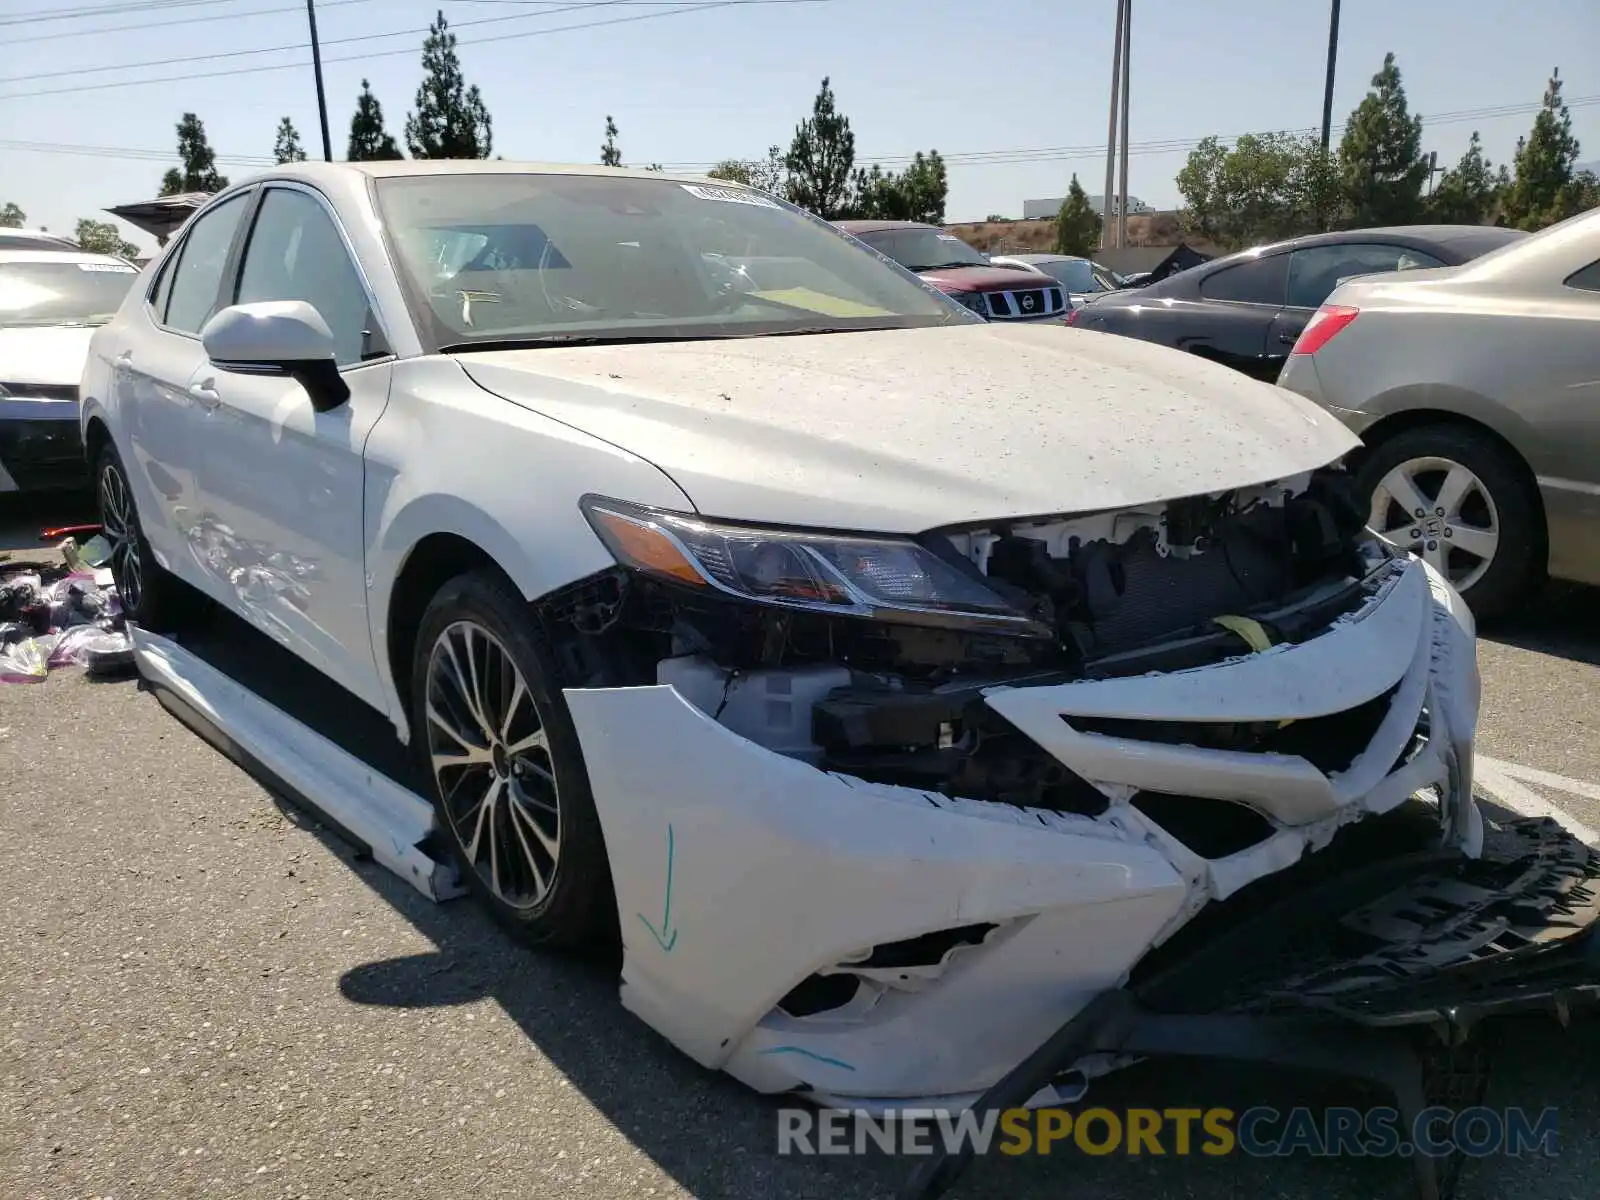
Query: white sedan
<point x="888" y="682"/>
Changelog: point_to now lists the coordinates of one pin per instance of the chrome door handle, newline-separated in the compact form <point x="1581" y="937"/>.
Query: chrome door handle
<point x="207" y="396"/>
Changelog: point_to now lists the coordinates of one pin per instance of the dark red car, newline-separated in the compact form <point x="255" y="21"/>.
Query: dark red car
<point x="955" y="268"/>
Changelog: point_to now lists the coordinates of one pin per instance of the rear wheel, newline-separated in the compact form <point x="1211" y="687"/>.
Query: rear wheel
<point x="1459" y="500"/>
<point x="509" y="782"/>
<point x="151" y="596"/>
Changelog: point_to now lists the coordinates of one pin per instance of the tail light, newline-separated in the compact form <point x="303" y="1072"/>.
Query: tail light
<point x="1324" y="326"/>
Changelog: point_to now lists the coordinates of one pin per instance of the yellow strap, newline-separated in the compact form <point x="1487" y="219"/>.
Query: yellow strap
<point x="1251" y="631"/>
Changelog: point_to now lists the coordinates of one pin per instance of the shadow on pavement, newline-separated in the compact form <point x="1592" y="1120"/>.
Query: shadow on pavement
<point x="1563" y="621"/>
<point x="23" y="515"/>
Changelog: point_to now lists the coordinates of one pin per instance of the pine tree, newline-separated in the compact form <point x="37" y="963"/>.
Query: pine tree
<point x="450" y="119"/>
<point x="1544" y="189"/>
<point x="1469" y="192"/>
<point x="1077" y="225"/>
<point x="820" y="158"/>
<point x="199" y="172"/>
<point x="610" y="155"/>
<point x="1380" y="156"/>
<point x="369" y="140"/>
<point x="287" y="148"/>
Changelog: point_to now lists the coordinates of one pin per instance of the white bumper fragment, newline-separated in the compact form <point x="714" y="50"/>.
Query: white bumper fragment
<point x="740" y="872"/>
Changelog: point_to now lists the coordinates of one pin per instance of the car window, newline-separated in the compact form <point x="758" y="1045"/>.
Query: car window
<point x="197" y="278"/>
<point x="71" y="291"/>
<point x="1074" y="274"/>
<point x="1586" y="278"/>
<point x="1255" y="281"/>
<point x="923" y="248"/>
<point x="1314" y="272"/>
<point x="295" y="253"/>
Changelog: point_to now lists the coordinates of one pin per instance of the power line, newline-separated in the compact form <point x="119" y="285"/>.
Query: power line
<point x="968" y="158"/>
<point x="193" y="75"/>
<point x="143" y="25"/>
<point x="104" y="10"/>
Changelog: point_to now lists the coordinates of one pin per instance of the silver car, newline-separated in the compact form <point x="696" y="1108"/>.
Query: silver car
<point x="1081" y="277"/>
<point x="1476" y="390"/>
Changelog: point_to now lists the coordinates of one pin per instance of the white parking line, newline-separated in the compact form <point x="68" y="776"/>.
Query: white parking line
<point x="1507" y="785"/>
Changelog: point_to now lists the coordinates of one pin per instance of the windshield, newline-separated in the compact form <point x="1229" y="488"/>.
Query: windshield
<point x="62" y="293"/>
<point x="535" y="258"/>
<point x="1074" y="274"/>
<point x="923" y="249"/>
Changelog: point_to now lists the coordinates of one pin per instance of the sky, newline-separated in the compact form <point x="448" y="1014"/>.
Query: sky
<point x="1015" y="93"/>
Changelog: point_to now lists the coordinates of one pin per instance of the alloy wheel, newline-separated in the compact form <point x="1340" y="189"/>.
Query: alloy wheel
<point x="1441" y="511"/>
<point x="120" y="525"/>
<point x="490" y="754"/>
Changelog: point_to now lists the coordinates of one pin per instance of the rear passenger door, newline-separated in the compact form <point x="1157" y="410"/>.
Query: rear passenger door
<point x="1238" y="305"/>
<point x="1316" y="271"/>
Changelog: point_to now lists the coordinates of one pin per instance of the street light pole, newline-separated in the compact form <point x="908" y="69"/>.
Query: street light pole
<point x="1127" y="80"/>
<point x="1327" y="90"/>
<point x="1106" y="231"/>
<point x="316" y="64"/>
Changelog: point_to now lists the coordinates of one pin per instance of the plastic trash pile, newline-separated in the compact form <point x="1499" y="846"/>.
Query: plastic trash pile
<point x="76" y="618"/>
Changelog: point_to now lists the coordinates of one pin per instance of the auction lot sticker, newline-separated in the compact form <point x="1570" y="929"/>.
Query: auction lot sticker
<point x="728" y="195"/>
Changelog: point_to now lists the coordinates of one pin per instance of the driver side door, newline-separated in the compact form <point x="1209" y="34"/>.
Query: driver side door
<point x="282" y="482"/>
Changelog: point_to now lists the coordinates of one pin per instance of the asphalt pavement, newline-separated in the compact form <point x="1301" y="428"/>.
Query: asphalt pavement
<point x="204" y="994"/>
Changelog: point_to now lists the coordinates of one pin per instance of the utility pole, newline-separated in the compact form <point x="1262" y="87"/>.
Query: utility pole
<point x="1107" y="232"/>
<point x="1127" y="79"/>
<point x="316" y="64"/>
<point x="1327" y="88"/>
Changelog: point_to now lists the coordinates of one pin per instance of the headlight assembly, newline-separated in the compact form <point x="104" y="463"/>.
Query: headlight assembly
<point x="885" y="579"/>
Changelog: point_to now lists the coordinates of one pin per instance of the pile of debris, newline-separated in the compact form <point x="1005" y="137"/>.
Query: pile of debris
<point x="54" y="616"/>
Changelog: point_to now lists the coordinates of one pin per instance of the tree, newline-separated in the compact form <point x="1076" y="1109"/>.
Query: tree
<point x="820" y="158"/>
<point x="1077" y="225"/>
<point x="1544" y="188"/>
<point x="769" y="174"/>
<point x="1469" y="192"/>
<point x="450" y="120"/>
<point x="1266" y="187"/>
<point x="1380" y="155"/>
<point x="610" y="155"/>
<point x="369" y="140"/>
<point x="199" y="172"/>
<point x="12" y="217"/>
<point x="287" y="148"/>
<point x="102" y="237"/>
<point x="916" y="194"/>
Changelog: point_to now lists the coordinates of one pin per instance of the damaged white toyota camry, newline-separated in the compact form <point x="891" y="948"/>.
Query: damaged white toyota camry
<point x="938" y="712"/>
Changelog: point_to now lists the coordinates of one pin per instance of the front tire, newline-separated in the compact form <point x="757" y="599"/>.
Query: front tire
<point x="151" y="596"/>
<point x="501" y="752"/>
<point x="1459" y="499"/>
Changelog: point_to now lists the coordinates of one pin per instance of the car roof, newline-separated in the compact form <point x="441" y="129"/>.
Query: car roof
<point x="1437" y="235"/>
<point x="318" y="172"/>
<point x="877" y="226"/>
<point x="59" y="256"/>
<point x="1044" y="258"/>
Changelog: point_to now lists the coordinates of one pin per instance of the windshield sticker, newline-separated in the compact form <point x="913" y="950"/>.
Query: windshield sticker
<point x="114" y="268"/>
<point x="947" y="237"/>
<point x="728" y="195"/>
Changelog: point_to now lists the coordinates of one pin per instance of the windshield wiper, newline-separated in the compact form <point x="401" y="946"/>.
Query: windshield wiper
<point x="535" y="341"/>
<point x="949" y="265"/>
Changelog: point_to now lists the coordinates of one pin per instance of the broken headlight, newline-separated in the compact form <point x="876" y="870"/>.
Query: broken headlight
<point x="887" y="579"/>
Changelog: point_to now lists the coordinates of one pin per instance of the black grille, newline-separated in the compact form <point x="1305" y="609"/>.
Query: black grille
<point x="43" y="391"/>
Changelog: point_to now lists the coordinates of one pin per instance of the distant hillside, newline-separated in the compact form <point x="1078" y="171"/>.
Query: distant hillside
<point x="1023" y="237"/>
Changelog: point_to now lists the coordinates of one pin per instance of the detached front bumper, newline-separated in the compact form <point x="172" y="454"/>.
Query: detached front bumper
<point x="874" y="946"/>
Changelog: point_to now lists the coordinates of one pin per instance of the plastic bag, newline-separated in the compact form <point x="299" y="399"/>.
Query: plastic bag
<point x="28" y="660"/>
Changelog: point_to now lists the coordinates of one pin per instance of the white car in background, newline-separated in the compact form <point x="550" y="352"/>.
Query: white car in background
<point x="51" y="302"/>
<point x="884" y="679"/>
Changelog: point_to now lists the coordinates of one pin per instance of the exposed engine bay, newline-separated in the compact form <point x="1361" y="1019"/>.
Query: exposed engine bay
<point x="1196" y="581"/>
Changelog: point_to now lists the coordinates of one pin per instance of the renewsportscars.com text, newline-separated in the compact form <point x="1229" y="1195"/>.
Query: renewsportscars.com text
<point x="1260" y="1132"/>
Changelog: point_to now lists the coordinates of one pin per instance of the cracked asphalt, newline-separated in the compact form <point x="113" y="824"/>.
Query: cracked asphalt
<point x="205" y="995"/>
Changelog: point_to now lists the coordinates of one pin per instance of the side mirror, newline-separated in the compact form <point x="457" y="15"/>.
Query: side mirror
<point x="278" y="337"/>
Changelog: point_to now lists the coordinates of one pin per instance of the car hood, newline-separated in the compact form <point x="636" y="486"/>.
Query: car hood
<point x="908" y="430"/>
<point x="985" y="279"/>
<point x="52" y="355"/>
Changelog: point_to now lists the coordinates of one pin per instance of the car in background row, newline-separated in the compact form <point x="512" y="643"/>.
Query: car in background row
<point x="51" y="302"/>
<point x="966" y="276"/>
<point x="1081" y="277"/>
<point x="1246" y="310"/>
<point x="36" y="239"/>
<point x="1476" y="391"/>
